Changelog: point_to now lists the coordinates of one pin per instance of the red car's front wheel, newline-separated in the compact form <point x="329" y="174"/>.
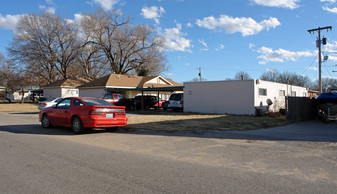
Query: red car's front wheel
<point x="45" y="122"/>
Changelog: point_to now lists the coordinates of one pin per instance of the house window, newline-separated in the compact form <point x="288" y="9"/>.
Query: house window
<point x="262" y="92"/>
<point x="293" y="93"/>
<point x="282" y="93"/>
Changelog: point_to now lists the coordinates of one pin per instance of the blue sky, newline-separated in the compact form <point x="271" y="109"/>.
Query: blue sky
<point x="220" y="37"/>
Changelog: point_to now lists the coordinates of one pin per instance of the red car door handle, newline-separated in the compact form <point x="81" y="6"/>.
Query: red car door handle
<point x="65" y="111"/>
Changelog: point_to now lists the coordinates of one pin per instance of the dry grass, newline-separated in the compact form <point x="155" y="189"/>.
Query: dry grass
<point x="18" y="107"/>
<point x="177" y="121"/>
<point x="194" y="122"/>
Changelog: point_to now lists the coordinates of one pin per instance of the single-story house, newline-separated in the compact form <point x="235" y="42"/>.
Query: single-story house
<point x="63" y="88"/>
<point x="17" y="95"/>
<point x="130" y="86"/>
<point x="237" y="96"/>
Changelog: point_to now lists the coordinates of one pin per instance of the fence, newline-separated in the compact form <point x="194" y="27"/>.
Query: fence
<point x="300" y="109"/>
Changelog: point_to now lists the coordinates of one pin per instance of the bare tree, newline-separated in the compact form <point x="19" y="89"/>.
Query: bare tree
<point x="286" y="78"/>
<point x="328" y="85"/>
<point x="12" y="77"/>
<point x="91" y="62"/>
<point x="241" y="75"/>
<point x="270" y="76"/>
<point x="127" y="49"/>
<point x="46" y="44"/>
<point x="6" y="74"/>
<point x="294" y="79"/>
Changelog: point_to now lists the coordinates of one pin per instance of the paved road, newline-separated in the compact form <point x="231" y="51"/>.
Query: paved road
<point x="36" y="160"/>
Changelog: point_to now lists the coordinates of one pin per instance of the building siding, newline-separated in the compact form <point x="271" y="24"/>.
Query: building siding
<point x="273" y="93"/>
<point x="220" y="97"/>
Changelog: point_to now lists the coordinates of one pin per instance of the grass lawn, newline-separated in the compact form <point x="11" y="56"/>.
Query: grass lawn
<point x="177" y="121"/>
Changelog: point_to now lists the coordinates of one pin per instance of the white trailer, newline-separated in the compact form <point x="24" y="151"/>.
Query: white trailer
<point x="241" y="97"/>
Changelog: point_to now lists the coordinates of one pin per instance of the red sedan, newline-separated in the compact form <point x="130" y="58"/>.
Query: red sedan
<point x="80" y="113"/>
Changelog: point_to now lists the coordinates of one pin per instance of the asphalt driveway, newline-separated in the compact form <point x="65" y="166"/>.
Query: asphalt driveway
<point x="317" y="131"/>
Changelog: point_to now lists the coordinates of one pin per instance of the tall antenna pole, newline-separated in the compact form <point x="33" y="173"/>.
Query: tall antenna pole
<point x="200" y="73"/>
<point x="318" y="44"/>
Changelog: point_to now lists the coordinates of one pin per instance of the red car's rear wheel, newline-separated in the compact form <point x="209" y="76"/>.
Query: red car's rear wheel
<point x="77" y="125"/>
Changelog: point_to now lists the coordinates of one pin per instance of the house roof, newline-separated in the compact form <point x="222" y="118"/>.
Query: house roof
<point x="68" y="82"/>
<point x="128" y="81"/>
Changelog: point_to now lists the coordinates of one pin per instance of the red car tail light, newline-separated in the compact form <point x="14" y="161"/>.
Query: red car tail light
<point x="103" y="111"/>
<point x="168" y="102"/>
<point x="44" y="104"/>
<point x="181" y="102"/>
<point x="95" y="112"/>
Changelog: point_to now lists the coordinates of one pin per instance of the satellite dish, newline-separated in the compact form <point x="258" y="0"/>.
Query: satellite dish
<point x="269" y="102"/>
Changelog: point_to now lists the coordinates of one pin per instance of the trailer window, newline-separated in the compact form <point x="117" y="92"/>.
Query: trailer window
<point x="262" y="92"/>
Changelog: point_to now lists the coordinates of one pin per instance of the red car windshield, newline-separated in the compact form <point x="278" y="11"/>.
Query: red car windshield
<point x="95" y="102"/>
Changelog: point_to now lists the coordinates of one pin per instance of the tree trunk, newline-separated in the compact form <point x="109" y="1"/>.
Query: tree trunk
<point x="23" y="96"/>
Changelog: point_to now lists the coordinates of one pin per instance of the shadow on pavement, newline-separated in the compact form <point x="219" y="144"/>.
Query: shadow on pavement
<point x="24" y="113"/>
<point x="312" y="131"/>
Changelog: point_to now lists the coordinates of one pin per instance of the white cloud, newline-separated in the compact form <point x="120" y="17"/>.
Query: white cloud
<point x="190" y="25"/>
<point x="9" y="21"/>
<point x="49" y="10"/>
<point x="271" y="70"/>
<point x="281" y="55"/>
<point x="313" y="68"/>
<point x="331" y="47"/>
<point x="329" y="1"/>
<point x="221" y="47"/>
<point x="291" y="4"/>
<point x="243" y="25"/>
<point x="50" y="2"/>
<point x="329" y="77"/>
<point x="153" y="12"/>
<point x="106" y="4"/>
<point x="203" y="43"/>
<point x="331" y="10"/>
<point x="77" y="19"/>
<point x="251" y="45"/>
<point x="175" y="41"/>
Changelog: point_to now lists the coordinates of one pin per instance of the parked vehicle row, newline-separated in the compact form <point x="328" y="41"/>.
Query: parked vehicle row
<point x="149" y="101"/>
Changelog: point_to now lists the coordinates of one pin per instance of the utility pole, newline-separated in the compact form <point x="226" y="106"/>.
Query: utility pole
<point x="318" y="44"/>
<point x="200" y="73"/>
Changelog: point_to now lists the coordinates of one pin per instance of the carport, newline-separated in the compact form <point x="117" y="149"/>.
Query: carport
<point x="38" y="93"/>
<point x="153" y="89"/>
